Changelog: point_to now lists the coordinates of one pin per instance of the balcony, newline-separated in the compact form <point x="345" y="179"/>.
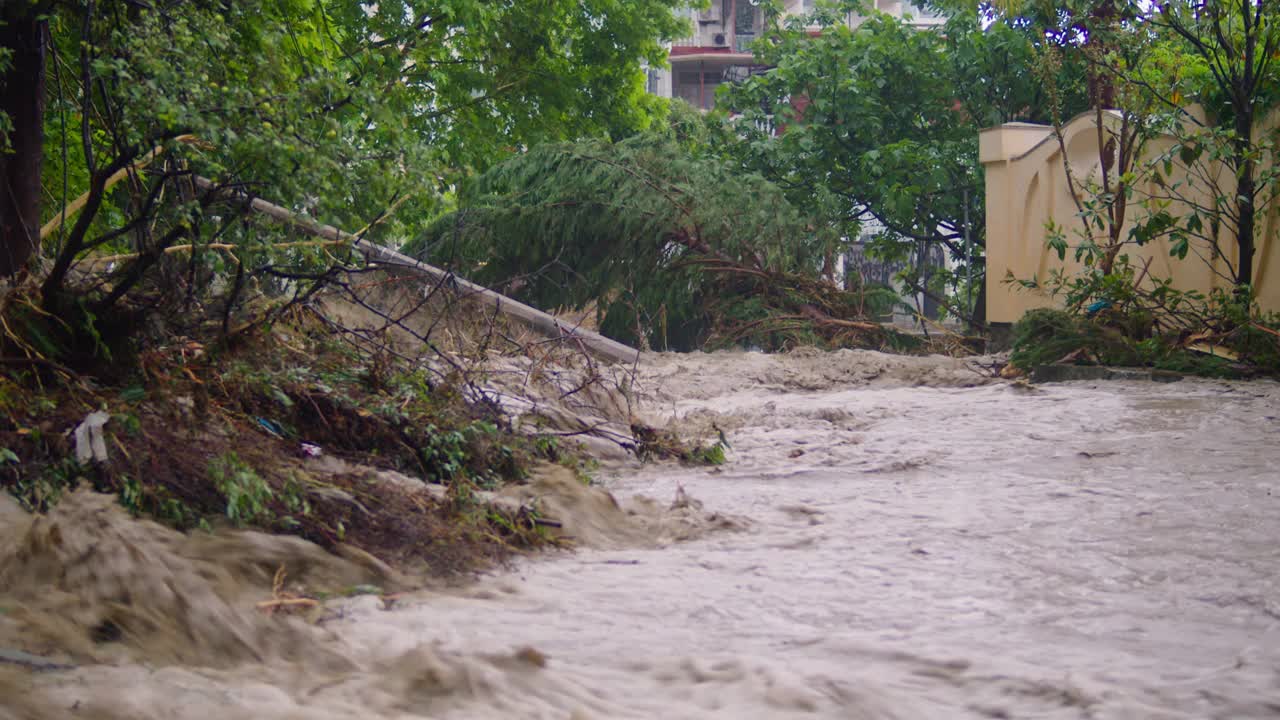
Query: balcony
<point x="711" y="36"/>
<point x="725" y="26"/>
<point x="694" y="41"/>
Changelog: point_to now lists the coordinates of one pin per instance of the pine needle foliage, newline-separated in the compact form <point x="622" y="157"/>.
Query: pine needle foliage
<point x="676" y="251"/>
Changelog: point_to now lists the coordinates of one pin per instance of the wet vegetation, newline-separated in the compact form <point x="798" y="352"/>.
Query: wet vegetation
<point x="1244" y="349"/>
<point x="161" y="340"/>
<point x="285" y="429"/>
<point x="1185" y="164"/>
<point x="663" y="248"/>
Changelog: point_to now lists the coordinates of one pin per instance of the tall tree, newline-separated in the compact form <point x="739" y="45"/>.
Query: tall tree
<point x="23" y="39"/>
<point x="867" y="118"/>
<point x="1089" y="26"/>
<point x="879" y="123"/>
<point x="1239" y="42"/>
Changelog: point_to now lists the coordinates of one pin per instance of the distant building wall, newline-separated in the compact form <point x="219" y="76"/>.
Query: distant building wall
<point x="1027" y="187"/>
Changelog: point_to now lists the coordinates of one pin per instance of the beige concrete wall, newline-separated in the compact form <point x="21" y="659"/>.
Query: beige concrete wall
<point x="1027" y="186"/>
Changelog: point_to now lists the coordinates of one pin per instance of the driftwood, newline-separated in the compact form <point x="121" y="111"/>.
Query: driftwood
<point x="531" y="317"/>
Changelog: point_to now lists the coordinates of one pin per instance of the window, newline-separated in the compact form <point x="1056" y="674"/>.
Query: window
<point x="699" y="92"/>
<point x="748" y="18"/>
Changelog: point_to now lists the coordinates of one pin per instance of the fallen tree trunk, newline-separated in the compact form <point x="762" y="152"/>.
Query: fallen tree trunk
<point x="531" y="317"/>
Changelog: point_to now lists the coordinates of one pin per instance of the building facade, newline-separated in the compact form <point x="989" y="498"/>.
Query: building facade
<point x="719" y="50"/>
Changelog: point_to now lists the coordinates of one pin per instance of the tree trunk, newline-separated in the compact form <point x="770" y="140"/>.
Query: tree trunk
<point x="979" y="319"/>
<point x="1246" y="188"/>
<point x="22" y="99"/>
<point x="1101" y="80"/>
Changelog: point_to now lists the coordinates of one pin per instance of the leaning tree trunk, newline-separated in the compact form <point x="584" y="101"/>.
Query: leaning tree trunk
<point x="24" y="35"/>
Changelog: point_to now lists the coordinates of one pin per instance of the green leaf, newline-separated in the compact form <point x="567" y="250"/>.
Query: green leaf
<point x="1189" y="154"/>
<point x="1058" y="244"/>
<point x="133" y="394"/>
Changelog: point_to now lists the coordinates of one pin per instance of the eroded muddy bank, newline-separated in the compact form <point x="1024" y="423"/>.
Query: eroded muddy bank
<point x="903" y="540"/>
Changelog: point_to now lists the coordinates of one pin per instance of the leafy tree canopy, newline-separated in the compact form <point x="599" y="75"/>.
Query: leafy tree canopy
<point x="334" y="108"/>
<point x="880" y="123"/>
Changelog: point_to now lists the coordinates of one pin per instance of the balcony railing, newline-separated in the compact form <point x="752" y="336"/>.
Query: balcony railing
<point x="716" y="38"/>
<point x="740" y="43"/>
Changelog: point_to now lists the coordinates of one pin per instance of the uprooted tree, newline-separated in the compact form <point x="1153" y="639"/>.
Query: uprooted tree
<point x="675" y="250"/>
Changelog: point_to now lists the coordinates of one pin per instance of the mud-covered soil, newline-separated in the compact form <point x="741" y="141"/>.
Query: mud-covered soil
<point x="290" y="430"/>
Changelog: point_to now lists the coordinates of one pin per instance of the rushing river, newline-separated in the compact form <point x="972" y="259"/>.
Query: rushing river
<point x="905" y="542"/>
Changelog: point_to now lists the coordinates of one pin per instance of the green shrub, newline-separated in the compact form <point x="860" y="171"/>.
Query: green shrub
<point x="1044" y="336"/>
<point x="246" y="492"/>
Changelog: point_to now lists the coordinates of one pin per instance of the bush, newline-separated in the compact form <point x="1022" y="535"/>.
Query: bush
<point x="1044" y="336"/>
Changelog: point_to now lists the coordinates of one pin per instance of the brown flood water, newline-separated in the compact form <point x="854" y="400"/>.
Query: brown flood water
<point x="895" y="539"/>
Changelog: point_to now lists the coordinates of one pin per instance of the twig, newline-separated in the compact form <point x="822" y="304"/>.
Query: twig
<point x="281" y="599"/>
<point x="1264" y="329"/>
<point x="76" y="205"/>
<point x="287" y="602"/>
<point x="43" y="362"/>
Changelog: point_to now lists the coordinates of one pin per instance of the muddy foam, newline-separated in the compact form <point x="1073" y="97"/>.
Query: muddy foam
<point x="700" y="376"/>
<point x="91" y="584"/>
<point x="591" y="517"/>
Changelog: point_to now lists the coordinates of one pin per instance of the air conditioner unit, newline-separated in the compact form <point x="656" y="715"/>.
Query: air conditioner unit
<point x="711" y="14"/>
<point x="720" y="40"/>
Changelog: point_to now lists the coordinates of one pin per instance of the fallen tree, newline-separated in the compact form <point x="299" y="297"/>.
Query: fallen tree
<point x="675" y="251"/>
<point x="542" y="322"/>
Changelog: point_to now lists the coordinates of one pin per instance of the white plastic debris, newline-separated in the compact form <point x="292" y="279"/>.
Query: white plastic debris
<point x="91" y="442"/>
<point x="310" y="450"/>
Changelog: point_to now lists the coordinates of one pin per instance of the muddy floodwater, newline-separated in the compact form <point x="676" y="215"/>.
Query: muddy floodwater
<point x="890" y="539"/>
